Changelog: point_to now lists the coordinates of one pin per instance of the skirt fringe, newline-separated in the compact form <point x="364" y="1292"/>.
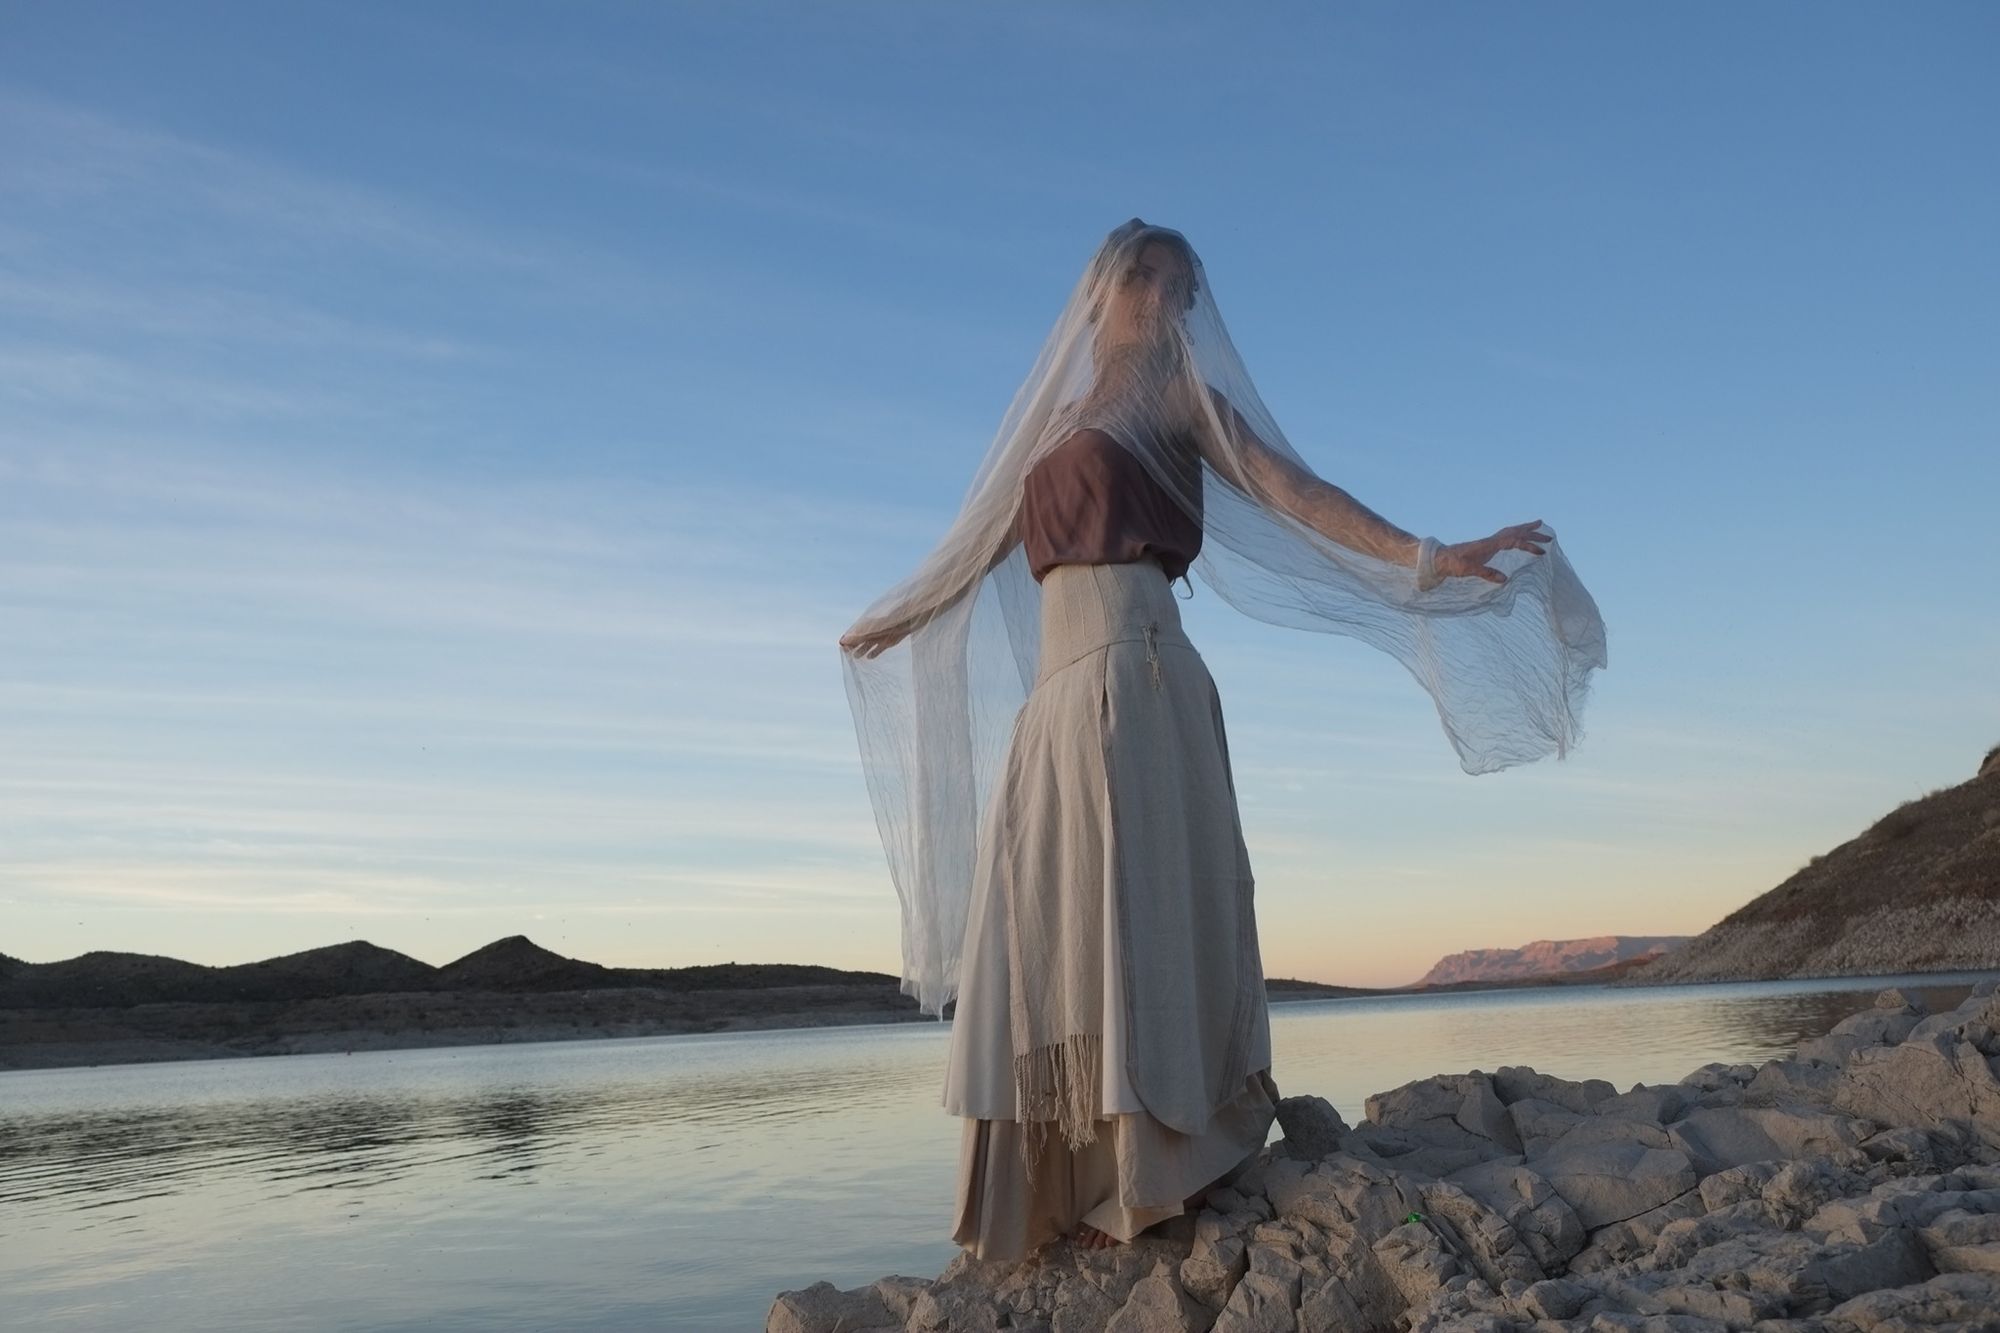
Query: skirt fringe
<point x="1132" y="1174"/>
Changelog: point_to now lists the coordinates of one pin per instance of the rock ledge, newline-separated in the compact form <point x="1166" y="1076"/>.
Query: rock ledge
<point x="1853" y="1187"/>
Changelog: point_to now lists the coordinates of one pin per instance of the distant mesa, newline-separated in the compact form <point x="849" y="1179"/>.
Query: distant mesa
<point x="1549" y="958"/>
<point x="1916" y="891"/>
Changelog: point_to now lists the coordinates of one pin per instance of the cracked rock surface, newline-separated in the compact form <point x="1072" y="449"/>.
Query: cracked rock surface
<point x="1853" y="1187"/>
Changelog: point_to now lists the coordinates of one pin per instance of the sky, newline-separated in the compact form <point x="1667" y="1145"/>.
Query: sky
<point x="440" y="445"/>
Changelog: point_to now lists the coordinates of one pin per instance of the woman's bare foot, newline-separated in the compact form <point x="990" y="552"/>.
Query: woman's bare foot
<point x="1088" y="1237"/>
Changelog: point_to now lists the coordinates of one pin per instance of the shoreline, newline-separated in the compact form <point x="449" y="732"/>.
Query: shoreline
<point x="29" y="1037"/>
<point x="73" y="1038"/>
<point x="1851" y="1185"/>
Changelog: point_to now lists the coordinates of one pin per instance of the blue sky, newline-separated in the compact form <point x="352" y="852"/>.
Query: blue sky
<point x="439" y="445"/>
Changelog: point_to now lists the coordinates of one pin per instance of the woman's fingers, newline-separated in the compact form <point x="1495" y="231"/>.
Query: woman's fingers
<point x="870" y="645"/>
<point x="1469" y="559"/>
<point x="875" y="645"/>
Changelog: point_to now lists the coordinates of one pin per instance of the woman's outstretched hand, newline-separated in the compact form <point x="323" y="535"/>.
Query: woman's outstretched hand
<point x="873" y="643"/>
<point x="1468" y="559"/>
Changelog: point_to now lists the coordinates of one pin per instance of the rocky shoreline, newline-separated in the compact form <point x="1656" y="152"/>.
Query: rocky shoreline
<point x="1852" y="1187"/>
<point x="57" y="1038"/>
<point x="1916" y="891"/>
<point x="1938" y="935"/>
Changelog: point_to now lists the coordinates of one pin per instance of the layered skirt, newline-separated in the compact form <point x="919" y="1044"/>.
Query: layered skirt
<point x="1111" y="1046"/>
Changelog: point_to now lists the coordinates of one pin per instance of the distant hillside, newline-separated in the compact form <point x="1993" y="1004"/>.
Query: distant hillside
<point x="1546" y="958"/>
<point x="1917" y="891"/>
<point x="515" y="965"/>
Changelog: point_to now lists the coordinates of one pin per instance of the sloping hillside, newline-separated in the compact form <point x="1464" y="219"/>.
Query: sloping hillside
<point x="1917" y="891"/>
<point x="517" y="963"/>
<point x="104" y="977"/>
<point x="354" y="968"/>
<point x="1546" y="958"/>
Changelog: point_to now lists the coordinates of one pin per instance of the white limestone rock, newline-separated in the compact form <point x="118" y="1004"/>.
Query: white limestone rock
<point x="1344" y="1191"/>
<point x="1313" y="1128"/>
<point x="1810" y="1275"/>
<point x="1897" y="999"/>
<point x="1794" y="1082"/>
<point x="1718" y="1137"/>
<point x="1447" y="1111"/>
<point x="1158" y="1305"/>
<point x="1965" y="1302"/>
<point x="1214" y="1267"/>
<point x="1610" y="1182"/>
<point x="1657" y="1104"/>
<point x="1717" y="1076"/>
<point x="1526" y="1202"/>
<point x="824" y="1308"/>
<point x="1513" y="1083"/>
<point x="1623" y="1242"/>
<point x="1963" y="1240"/>
<point x="1415" y="1260"/>
<point x="1478" y="1237"/>
<point x="1922" y="1082"/>
<point x="1261" y="1303"/>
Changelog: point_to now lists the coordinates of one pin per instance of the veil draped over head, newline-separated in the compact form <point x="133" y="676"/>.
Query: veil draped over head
<point x="1507" y="664"/>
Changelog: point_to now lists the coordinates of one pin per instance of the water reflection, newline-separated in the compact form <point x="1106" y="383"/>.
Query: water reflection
<point x="671" y="1182"/>
<point x="367" y="1118"/>
<point x="1345" y="1050"/>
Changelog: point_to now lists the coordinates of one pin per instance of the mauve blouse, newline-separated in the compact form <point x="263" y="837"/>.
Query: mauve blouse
<point x="1090" y="501"/>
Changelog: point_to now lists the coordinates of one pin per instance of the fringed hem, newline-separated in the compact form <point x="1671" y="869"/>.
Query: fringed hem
<point x="1135" y="1173"/>
<point x="1058" y="1084"/>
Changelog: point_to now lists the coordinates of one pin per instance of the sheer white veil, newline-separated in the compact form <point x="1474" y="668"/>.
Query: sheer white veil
<point x="1507" y="664"/>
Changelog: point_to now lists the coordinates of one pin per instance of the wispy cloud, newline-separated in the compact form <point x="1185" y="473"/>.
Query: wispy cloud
<point x="73" y="158"/>
<point x="88" y="307"/>
<point x="68" y="379"/>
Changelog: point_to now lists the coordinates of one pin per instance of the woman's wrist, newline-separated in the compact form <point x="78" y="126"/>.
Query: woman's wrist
<point x="1427" y="572"/>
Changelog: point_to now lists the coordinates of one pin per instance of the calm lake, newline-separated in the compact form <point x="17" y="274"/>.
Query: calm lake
<point x="665" y="1182"/>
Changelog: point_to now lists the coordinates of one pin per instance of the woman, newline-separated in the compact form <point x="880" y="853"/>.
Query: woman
<point x="1046" y="753"/>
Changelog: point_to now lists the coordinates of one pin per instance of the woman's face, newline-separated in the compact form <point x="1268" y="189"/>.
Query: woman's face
<point x="1147" y="299"/>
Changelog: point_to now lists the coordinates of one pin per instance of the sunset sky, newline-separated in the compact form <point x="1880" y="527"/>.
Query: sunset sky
<point x="440" y="445"/>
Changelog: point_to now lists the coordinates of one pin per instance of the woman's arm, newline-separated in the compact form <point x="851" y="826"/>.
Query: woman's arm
<point x="1243" y="460"/>
<point x="868" y="639"/>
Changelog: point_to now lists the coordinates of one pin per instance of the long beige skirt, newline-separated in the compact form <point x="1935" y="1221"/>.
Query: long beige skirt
<point x="1116" y="786"/>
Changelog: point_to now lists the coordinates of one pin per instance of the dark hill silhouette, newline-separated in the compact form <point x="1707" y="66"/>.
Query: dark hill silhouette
<point x="354" y="968"/>
<point x="103" y="977"/>
<point x="754" y="976"/>
<point x="517" y="963"/>
<point x="514" y="965"/>
<point x="107" y="979"/>
<point x="1917" y="891"/>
